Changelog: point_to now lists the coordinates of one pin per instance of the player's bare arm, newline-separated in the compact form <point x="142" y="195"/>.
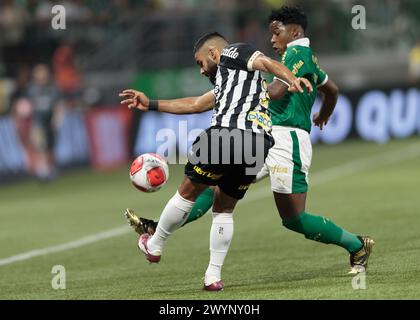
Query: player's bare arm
<point x="266" y="64"/>
<point x="138" y="100"/>
<point x="276" y="89"/>
<point x="329" y="92"/>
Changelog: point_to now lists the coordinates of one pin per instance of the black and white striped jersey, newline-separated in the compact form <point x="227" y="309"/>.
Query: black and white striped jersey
<point x="240" y="92"/>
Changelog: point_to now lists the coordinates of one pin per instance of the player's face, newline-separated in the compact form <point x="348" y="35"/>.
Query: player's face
<point x="281" y="35"/>
<point x="208" y="67"/>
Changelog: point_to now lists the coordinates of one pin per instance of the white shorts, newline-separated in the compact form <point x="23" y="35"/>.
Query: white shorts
<point x="288" y="161"/>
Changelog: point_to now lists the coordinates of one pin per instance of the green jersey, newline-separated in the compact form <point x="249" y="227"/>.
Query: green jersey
<point x="294" y="109"/>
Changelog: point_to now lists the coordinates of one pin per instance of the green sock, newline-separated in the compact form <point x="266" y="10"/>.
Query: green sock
<point x="323" y="230"/>
<point x="202" y="204"/>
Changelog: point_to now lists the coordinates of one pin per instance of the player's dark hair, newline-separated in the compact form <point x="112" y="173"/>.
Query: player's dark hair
<point x="289" y="15"/>
<point x="200" y="42"/>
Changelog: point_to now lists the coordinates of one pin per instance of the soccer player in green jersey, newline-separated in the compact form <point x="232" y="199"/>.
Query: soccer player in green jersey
<point x="289" y="160"/>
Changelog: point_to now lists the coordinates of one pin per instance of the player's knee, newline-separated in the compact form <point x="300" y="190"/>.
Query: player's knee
<point x="287" y="215"/>
<point x="181" y="202"/>
<point x="221" y="204"/>
<point x="223" y="207"/>
<point x="189" y="190"/>
<point x="293" y="222"/>
<point x="187" y="194"/>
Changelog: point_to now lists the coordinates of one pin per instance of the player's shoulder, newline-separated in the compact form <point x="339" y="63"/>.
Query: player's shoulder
<point x="298" y="51"/>
<point x="237" y="56"/>
<point x="239" y="45"/>
<point x="238" y="49"/>
<point x="294" y="53"/>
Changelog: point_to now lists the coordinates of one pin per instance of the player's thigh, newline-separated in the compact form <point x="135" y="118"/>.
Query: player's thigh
<point x="199" y="168"/>
<point x="236" y="183"/>
<point x="305" y="151"/>
<point x="190" y="190"/>
<point x="223" y="202"/>
<point x="289" y="160"/>
<point x="289" y="205"/>
<point x="239" y="176"/>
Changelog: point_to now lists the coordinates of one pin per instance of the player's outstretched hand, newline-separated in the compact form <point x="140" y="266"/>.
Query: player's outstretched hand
<point x="135" y="99"/>
<point x="320" y="121"/>
<point x="297" y="87"/>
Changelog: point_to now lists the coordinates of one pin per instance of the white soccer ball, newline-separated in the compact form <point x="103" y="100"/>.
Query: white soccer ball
<point x="149" y="172"/>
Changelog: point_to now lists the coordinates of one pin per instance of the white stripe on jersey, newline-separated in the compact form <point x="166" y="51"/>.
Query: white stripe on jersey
<point x="247" y="104"/>
<point x="224" y="93"/>
<point x="237" y="93"/>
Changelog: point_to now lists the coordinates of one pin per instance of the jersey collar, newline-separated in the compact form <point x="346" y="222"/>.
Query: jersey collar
<point x="304" y="42"/>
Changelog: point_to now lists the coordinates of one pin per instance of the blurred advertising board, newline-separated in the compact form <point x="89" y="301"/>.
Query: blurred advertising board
<point x="108" y="133"/>
<point x="374" y="115"/>
<point x="98" y="137"/>
<point x="72" y="140"/>
<point x="17" y="154"/>
<point x="12" y="155"/>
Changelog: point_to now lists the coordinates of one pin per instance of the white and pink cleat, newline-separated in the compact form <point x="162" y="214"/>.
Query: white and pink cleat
<point x="152" y="257"/>
<point x="213" y="284"/>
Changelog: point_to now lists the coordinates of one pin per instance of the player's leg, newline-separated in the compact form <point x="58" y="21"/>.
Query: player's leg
<point x="199" y="174"/>
<point x="205" y="200"/>
<point x="173" y="216"/>
<point x="231" y="188"/>
<point x="201" y="206"/>
<point x="290" y="161"/>
<point x="291" y="208"/>
<point x="221" y="234"/>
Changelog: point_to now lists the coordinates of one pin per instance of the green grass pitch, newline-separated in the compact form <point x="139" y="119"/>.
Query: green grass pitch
<point x="365" y="188"/>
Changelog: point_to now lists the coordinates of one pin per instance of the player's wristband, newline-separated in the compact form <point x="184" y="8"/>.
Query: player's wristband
<point x="153" y="105"/>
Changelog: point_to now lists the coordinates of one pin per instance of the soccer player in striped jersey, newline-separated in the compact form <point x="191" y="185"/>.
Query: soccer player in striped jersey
<point x="223" y="155"/>
<point x="289" y="160"/>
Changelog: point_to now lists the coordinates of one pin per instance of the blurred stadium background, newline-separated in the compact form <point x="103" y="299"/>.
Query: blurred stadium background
<point x="65" y="145"/>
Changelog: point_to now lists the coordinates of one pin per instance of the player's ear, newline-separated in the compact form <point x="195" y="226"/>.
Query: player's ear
<point x="213" y="53"/>
<point x="296" y="31"/>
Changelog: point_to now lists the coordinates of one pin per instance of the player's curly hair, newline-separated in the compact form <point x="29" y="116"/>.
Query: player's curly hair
<point x="289" y="15"/>
<point x="199" y="43"/>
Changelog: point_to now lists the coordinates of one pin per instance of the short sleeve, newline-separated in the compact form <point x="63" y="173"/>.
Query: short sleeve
<point x="321" y="75"/>
<point x="239" y="56"/>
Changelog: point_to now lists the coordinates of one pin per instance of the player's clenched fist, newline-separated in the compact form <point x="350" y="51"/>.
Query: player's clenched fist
<point x="135" y="99"/>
